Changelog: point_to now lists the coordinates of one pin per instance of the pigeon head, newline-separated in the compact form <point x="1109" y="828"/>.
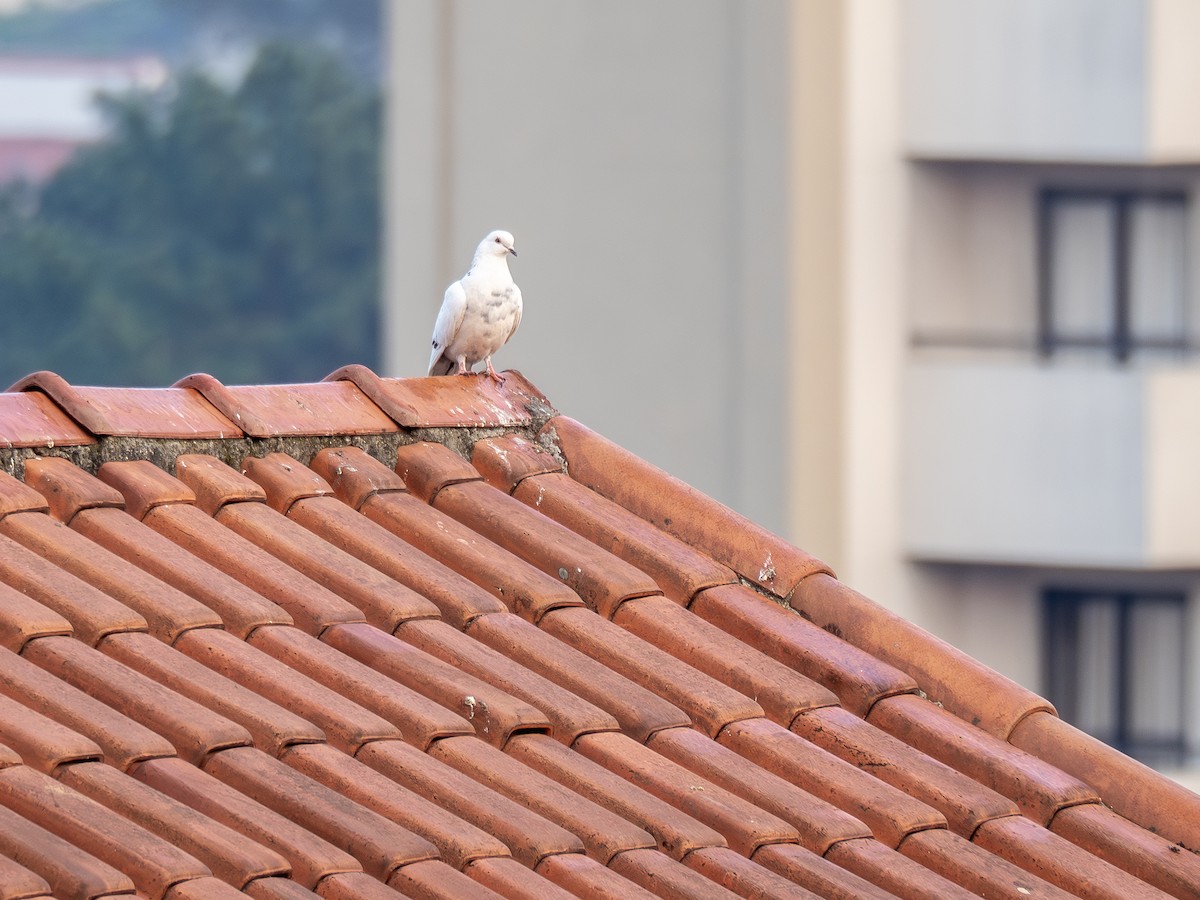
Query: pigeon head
<point x="497" y="243"/>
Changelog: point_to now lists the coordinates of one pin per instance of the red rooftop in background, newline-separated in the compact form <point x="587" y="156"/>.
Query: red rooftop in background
<point x="376" y="637"/>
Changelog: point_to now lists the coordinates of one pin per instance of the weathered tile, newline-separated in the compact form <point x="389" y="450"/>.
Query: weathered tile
<point x="970" y="866"/>
<point x="891" y="814"/>
<point x="278" y="410"/>
<point x="312" y="858"/>
<point x="528" y="836"/>
<point x="231" y="856"/>
<point x="341" y="720"/>
<point x="194" y="731"/>
<point x="604" y="833"/>
<point x="745" y="826"/>
<point x="133" y="412"/>
<point x="819" y="824"/>
<point x="884" y="867"/>
<point x="40" y="741"/>
<point x="568" y="714"/>
<point x="1134" y="790"/>
<point x="783" y="693"/>
<point x="495" y="714"/>
<point x="458" y="841"/>
<point x="815" y="873"/>
<point x="22" y="619"/>
<point x="271" y="727"/>
<point x="662" y="875"/>
<point x="948" y="676"/>
<point x="290" y="490"/>
<point x="508" y="878"/>
<point x="1057" y="860"/>
<point x="857" y="677"/>
<point x="965" y="803"/>
<point x="526" y="591"/>
<point x="167" y="612"/>
<point x="1039" y="788"/>
<point x="90" y="612"/>
<point x="122" y="740"/>
<point x="435" y="880"/>
<point x="67" y="869"/>
<point x="152" y="863"/>
<point x="676" y="832"/>
<point x="680" y="510"/>
<point x="449" y="402"/>
<point x="33" y="419"/>
<point x="744" y="877"/>
<point x="711" y="705"/>
<point x="1141" y="853"/>
<point x="381" y="846"/>
<point x="318" y="668"/>
<point x="582" y="876"/>
<point x="639" y="712"/>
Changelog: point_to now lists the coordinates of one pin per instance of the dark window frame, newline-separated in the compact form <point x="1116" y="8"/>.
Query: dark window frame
<point x="1121" y="343"/>
<point x="1060" y="636"/>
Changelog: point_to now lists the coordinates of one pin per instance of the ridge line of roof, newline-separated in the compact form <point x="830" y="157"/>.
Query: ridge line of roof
<point x="478" y="410"/>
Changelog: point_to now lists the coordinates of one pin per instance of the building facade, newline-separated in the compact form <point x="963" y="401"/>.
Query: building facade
<point x="913" y="284"/>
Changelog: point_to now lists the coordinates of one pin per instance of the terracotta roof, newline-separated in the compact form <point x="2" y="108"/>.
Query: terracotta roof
<point x="375" y="637"/>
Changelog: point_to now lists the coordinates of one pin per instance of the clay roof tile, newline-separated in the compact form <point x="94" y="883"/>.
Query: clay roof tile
<point x="364" y="666"/>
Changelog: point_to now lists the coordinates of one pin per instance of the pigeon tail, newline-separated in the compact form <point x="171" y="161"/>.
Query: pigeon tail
<point x="442" y="366"/>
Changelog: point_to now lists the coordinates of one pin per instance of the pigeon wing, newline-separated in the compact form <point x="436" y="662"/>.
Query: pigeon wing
<point x="517" y="317"/>
<point x="449" y="320"/>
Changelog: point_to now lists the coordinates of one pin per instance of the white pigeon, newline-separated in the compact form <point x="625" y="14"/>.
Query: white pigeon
<point x="480" y="312"/>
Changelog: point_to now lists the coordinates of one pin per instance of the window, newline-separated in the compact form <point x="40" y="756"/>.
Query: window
<point x="1115" y="668"/>
<point x="1111" y="276"/>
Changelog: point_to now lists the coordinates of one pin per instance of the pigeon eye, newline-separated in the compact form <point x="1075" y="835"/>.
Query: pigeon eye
<point x="497" y="240"/>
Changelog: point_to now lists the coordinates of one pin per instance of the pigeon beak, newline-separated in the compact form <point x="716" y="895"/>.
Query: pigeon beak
<point x="512" y="250"/>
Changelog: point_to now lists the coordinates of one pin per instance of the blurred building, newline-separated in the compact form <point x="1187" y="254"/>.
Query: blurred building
<point x="912" y="283"/>
<point x="48" y="109"/>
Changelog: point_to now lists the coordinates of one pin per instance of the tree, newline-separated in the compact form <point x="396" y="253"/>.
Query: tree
<point x="228" y="230"/>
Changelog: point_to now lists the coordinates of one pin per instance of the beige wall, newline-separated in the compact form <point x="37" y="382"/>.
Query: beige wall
<point x="710" y="202"/>
<point x="639" y="153"/>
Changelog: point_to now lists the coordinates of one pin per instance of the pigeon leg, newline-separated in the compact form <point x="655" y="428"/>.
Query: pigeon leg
<point x="462" y="367"/>
<point x="492" y="373"/>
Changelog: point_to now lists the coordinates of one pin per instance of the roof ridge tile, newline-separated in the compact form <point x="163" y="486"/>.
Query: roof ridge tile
<point x="133" y="412"/>
<point x="30" y="419"/>
<point x="1131" y="788"/>
<point x="451" y="402"/>
<point x="275" y="410"/>
<point x="963" y="685"/>
<point x="679" y="509"/>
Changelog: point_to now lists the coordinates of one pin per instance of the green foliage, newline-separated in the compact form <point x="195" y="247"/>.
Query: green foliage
<point x="188" y="29"/>
<point x="233" y="231"/>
